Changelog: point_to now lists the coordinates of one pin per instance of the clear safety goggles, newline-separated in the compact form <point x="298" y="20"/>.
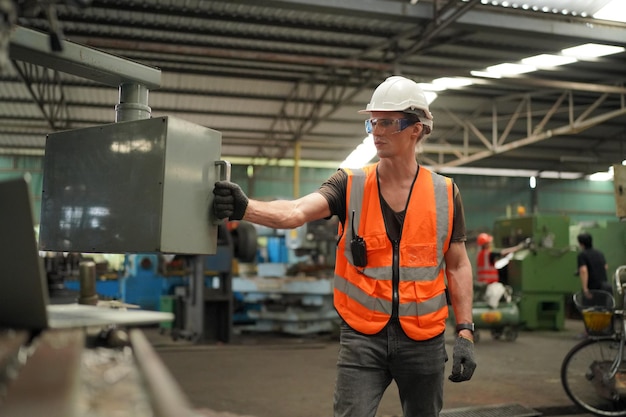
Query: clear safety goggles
<point x="387" y="126"/>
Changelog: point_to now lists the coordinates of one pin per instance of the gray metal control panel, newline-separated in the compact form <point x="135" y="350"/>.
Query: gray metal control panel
<point x="135" y="186"/>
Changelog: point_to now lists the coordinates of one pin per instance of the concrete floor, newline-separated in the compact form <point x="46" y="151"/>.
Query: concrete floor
<point x="268" y="375"/>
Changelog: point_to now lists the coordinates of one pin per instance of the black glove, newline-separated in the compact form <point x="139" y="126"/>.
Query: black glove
<point x="230" y="201"/>
<point x="463" y="363"/>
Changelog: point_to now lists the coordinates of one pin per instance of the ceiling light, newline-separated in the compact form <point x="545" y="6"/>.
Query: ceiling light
<point x="485" y="74"/>
<point x="362" y="155"/>
<point x="604" y="176"/>
<point x="548" y="60"/>
<point x="431" y="87"/>
<point x="592" y="50"/>
<point x="452" y="82"/>
<point x="501" y="172"/>
<point x="601" y="176"/>
<point x="615" y="10"/>
<point x="510" y="69"/>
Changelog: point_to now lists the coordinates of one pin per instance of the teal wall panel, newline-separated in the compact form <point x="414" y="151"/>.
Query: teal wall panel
<point x="582" y="200"/>
<point x="273" y="182"/>
<point x="7" y="163"/>
<point x="485" y="198"/>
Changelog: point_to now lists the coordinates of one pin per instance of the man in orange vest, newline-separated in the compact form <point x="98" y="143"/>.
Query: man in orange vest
<point x="401" y="246"/>
<point x="486" y="271"/>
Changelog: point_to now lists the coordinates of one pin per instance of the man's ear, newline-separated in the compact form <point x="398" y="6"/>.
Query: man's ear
<point x="418" y="128"/>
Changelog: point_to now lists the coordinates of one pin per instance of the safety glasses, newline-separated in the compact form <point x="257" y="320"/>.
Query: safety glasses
<point x="387" y="126"/>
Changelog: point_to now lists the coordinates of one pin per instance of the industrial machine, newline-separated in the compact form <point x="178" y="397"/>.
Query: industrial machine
<point x="137" y="185"/>
<point x="140" y="185"/>
<point x="203" y="304"/>
<point x="296" y="298"/>
<point x="143" y="282"/>
<point x="496" y="312"/>
<point x="62" y="273"/>
<point x="542" y="276"/>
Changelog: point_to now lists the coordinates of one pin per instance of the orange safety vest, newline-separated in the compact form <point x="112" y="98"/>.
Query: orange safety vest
<point x="485" y="271"/>
<point x="363" y="296"/>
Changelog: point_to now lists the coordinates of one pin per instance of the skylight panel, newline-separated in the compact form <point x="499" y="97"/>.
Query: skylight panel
<point x="509" y="68"/>
<point x="615" y="10"/>
<point x="591" y="50"/>
<point x="548" y="60"/>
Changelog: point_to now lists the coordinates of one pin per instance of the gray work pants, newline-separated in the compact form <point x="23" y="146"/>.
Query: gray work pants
<point x="368" y="363"/>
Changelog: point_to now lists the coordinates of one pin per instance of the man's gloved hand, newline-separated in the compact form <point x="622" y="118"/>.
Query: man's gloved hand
<point x="230" y="201"/>
<point x="463" y="363"/>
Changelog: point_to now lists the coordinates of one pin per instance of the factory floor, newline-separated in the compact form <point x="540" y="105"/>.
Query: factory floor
<point x="274" y="375"/>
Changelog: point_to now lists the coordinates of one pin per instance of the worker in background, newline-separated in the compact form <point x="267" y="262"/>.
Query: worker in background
<point x="401" y="240"/>
<point x="486" y="271"/>
<point x="592" y="266"/>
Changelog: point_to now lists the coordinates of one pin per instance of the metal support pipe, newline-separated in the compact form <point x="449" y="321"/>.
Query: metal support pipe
<point x="133" y="103"/>
<point x="32" y="46"/>
<point x="296" y="168"/>
<point x="87" y="280"/>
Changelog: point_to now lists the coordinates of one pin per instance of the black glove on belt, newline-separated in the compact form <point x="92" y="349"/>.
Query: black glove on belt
<point x="229" y="201"/>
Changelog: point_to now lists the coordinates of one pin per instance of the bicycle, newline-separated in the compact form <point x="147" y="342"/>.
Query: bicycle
<point x="593" y="372"/>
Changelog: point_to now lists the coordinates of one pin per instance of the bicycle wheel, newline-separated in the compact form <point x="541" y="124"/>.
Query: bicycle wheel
<point x="584" y="375"/>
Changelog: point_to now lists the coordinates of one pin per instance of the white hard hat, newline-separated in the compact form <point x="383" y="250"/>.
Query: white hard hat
<point x="397" y="93"/>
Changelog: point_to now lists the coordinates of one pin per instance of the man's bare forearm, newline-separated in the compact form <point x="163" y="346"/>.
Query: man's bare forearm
<point x="287" y="214"/>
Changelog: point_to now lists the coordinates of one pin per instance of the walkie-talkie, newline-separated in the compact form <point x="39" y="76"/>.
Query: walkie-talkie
<point x="357" y="246"/>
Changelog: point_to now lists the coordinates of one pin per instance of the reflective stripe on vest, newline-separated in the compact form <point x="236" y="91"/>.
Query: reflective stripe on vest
<point x="363" y="296"/>
<point x="485" y="271"/>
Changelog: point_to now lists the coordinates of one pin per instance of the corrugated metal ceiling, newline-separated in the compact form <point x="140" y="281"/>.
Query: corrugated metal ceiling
<point x="273" y="75"/>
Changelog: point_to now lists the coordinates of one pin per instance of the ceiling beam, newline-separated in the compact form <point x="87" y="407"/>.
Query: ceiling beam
<point x="494" y="17"/>
<point x="46" y="90"/>
<point x="537" y="133"/>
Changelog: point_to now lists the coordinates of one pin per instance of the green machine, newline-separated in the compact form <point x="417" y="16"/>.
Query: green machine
<point x="543" y="276"/>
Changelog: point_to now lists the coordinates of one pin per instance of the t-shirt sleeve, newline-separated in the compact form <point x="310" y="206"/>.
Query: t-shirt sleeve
<point x="334" y="190"/>
<point x="459" y="233"/>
